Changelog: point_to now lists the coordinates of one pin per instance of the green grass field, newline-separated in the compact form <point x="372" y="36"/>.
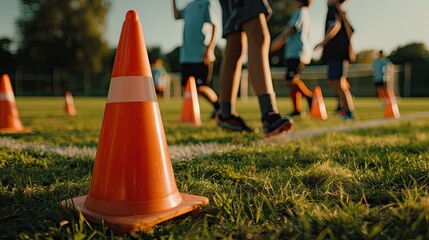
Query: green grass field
<point x="365" y="183"/>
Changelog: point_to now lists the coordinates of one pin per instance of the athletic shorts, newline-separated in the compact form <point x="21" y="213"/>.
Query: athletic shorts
<point x="236" y="12"/>
<point x="336" y="70"/>
<point x="293" y="67"/>
<point x="199" y="71"/>
<point x="379" y="84"/>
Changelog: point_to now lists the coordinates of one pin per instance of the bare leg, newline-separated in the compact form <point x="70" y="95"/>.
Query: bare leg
<point x="208" y="93"/>
<point x="231" y="70"/>
<point x="258" y="52"/>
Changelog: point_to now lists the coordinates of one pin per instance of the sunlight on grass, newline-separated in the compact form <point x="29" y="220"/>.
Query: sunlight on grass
<point x="366" y="183"/>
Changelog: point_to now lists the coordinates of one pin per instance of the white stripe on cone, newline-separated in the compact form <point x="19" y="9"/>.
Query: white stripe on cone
<point x="131" y="89"/>
<point x="7" y="96"/>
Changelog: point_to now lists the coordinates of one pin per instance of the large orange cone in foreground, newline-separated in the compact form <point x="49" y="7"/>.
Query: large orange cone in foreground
<point x="391" y="109"/>
<point x="69" y="107"/>
<point x="191" y="106"/>
<point x="9" y="117"/>
<point x="133" y="185"/>
<point x="318" y="108"/>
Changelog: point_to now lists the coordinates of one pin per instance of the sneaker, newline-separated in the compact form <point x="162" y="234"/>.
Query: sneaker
<point x="348" y="115"/>
<point x="233" y="123"/>
<point x="275" y="124"/>
<point x="339" y="111"/>
<point x="213" y="114"/>
<point x="294" y="113"/>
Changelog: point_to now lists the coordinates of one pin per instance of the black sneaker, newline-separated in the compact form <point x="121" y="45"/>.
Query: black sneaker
<point x="233" y="123"/>
<point x="275" y="124"/>
<point x="296" y="113"/>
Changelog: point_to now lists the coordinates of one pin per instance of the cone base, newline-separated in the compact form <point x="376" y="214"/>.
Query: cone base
<point x="135" y="223"/>
<point x="15" y="130"/>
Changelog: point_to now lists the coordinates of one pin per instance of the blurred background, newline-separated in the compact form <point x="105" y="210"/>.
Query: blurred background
<point x="50" y="46"/>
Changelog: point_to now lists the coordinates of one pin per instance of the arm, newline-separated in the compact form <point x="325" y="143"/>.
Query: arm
<point x="330" y="33"/>
<point x="176" y="11"/>
<point x="280" y="40"/>
<point x="209" y="52"/>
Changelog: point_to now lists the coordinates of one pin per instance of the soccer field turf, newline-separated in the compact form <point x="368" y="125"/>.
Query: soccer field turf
<point x="362" y="179"/>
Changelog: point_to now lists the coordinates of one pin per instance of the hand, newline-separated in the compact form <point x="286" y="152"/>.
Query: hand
<point x="208" y="57"/>
<point x="277" y="44"/>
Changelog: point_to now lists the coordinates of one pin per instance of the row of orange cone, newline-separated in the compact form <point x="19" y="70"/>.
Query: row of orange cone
<point x="133" y="185"/>
<point x="318" y="108"/>
<point x="10" y="121"/>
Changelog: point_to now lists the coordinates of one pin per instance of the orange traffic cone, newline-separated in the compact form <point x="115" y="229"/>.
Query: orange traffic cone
<point x="133" y="185"/>
<point x="318" y="109"/>
<point x="191" y="107"/>
<point x="69" y="107"/>
<point x="391" y="109"/>
<point x="9" y="117"/>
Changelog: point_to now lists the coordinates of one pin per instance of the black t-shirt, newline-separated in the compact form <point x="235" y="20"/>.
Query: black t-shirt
<point x="337" y="49"/>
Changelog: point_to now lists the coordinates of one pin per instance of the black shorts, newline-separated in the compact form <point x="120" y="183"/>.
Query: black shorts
<point x="237" y="12"/>
<point x="379" y="84"/>
<point x="293" y="67"/>
<point x="336" y="70"/>
<point x="201" y="72"/>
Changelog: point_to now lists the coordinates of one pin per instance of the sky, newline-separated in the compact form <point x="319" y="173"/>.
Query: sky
<point x="378" y="24"/>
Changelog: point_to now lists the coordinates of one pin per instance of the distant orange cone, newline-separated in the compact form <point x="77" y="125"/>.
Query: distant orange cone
<point x="69" y="107"/>
<point x="318" y="108"/>
<point x="191" y="106"/>
<point x="9" y="117"/>
<point x="391" y="109"/>
<point x="133" y="185"/>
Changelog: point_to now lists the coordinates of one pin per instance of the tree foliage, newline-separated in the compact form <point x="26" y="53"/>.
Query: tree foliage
<point x="366" y="56"/>
<point x="413" y="52"/>
<point x="7" y="59"/>
<point x="63" y="33"/>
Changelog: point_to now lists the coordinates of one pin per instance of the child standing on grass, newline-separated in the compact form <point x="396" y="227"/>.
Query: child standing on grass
<point x="381" y="67"/>
<point x="247" y="19"/>
<point x="298" y="53"/>
<point x="337" y="53"/>
<point x="159" y="74"/>
<point x="196" y="57"/>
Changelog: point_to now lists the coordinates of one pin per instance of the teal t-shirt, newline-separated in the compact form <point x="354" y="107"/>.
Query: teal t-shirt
<point x="298" y="44"/>
<point x="195" y="14"/>
<point x="158" y="74"/>
<point x="380" y="69"/>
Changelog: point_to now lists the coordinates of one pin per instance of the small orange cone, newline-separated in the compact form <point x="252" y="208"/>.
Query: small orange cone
<point x="9" y="117"/>
<point x="318" y="109"/>
<point x="391" y="109"/>
<point x="69" y="107"/>
<point x="133" y="185"/>
<point x="191" y="107"/>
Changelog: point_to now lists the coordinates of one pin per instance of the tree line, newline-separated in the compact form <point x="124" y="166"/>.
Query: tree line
<point x="67" y="36"/>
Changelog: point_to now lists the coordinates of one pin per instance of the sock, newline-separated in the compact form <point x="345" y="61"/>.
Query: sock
<point x="267" y="103"/>
<point x="216" y="106"/>
<point x="226" y="109"/>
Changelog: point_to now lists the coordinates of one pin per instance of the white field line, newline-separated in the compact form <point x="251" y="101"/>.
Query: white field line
<point x="187" y="152"/>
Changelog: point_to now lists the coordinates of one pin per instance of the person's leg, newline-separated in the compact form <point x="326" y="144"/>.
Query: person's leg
<point x="299" y="86"/>
<point x="258" y="62"/>
<point x="338" y="81"/>
<point x="203" y="75"/>
<point x="380" y="90"/>
<point x="231" y="72"/>
<point x="260" y="75"/>
<point x="293" y="90"/>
